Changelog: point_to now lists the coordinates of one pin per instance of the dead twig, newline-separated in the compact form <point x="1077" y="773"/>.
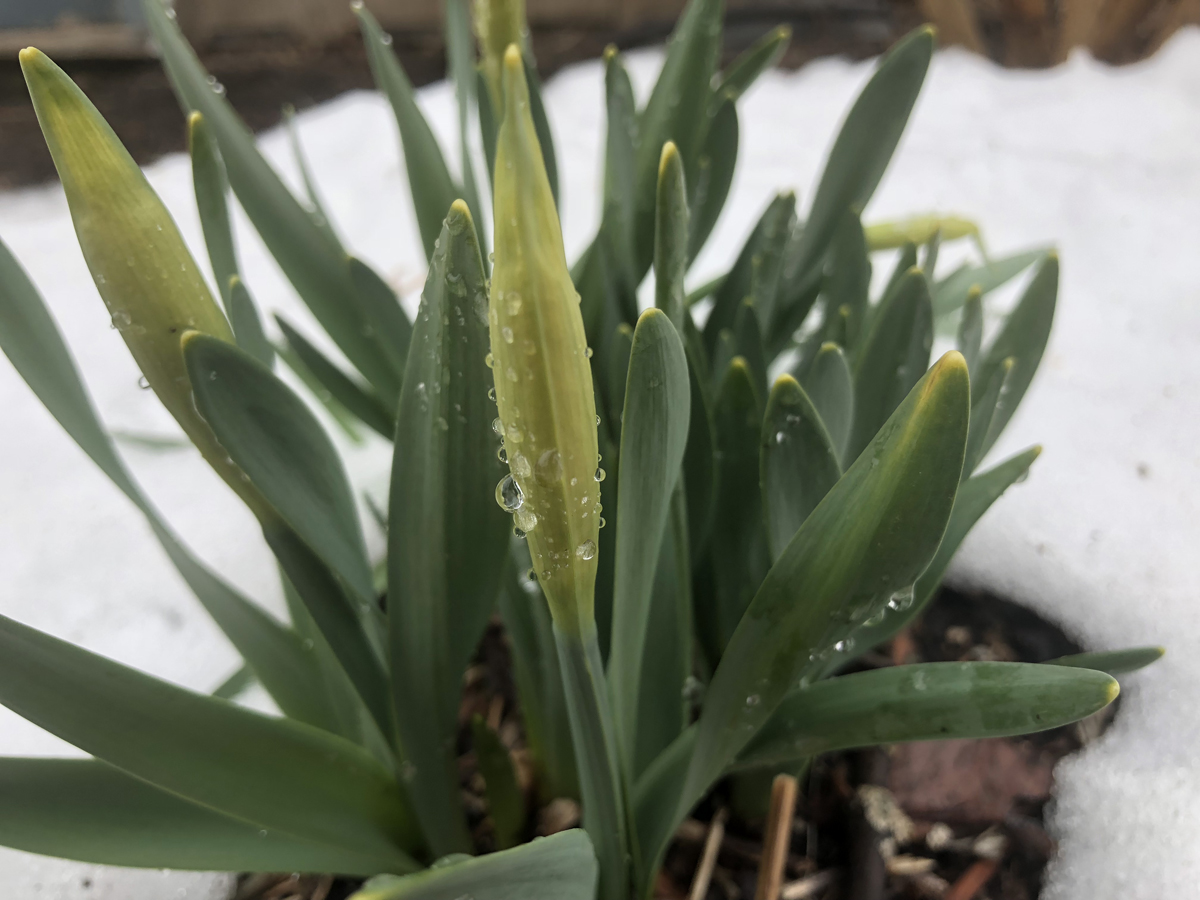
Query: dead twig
<point x="971" y="882"/>
<point x="712" y="845"/>
<point x="777" y="837"/>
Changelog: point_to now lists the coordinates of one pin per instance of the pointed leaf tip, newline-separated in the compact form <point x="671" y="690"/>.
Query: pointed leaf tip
<point x="669" y="153"/>
<point x="1111" y="692"/>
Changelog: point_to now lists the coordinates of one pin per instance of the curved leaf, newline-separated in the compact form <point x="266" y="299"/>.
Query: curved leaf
<point x="830" y="386"/>
<point x="1112" y="662"/>
<point x="714" y="173"/>
<point x="760" y="56"/>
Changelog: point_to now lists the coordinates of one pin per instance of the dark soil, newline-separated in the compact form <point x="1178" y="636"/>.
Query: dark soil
<point x="948" y="820"/>
<point x="264" y="73"/>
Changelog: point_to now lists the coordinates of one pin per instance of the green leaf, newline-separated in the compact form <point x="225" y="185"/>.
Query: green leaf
<point x="748" y="344"/>
<point x="656" y="798"/>
<point x="797" y="463"/>
<point x="974" y="497"/>
<point x="863" y="149"/>
<point x="560" y="867"/>
<point x="460" y="60"/>
<point x="603" y="788"/>
<point x="247" y="326"/>
<point x="342" y="417"/>
<point x="1113" y="662"/>
<point x="86" y="810"/>
<point x="316" y="208"/>
<point x="952" y="292"/>
<point x="849" y="277"/>
<point x="714" y="173"/>
<point x="429" y="180"/>
<point x="356" y="398"/>
<point x="760" y="56"/>
<point x="893" y="358"/>
<point x="539" y="681"/>
<point x="699" y="461"/>
<point x="505" y="802"/>
<point x="870" y="538"/>
<point x="236" y="684"/>
<point x="738" y="544"/>
<point x="211" y="186"/>
<point x="676" y="111"/>
<point x="770" y="235"/>
<point x="1023" y="337"/>
<point x="276" y="774"/>
<point x="447" y="536"/>
<point x="489" y="124"/>
<point x="274" y="438"/>
<point x="663" y="709"/>
<point x="931" y="701"/>
<point x="970" y="328"/>
<point x="830" y="386"/>
<point x="620" y="148"/>
<point x="313" y="263"/>
<point x="541" y="123"/>
<point x="983" y="417"/>
<point x="383" y="315"/>
<point x="653" y="438"/>
<point x="671" y="238"/>
<point x="31" y="340"/>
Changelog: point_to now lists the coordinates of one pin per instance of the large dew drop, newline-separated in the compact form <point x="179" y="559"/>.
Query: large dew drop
<point x="508" y="494"/>
<point x="586" y="550"/>
<point x="549" y="467"/>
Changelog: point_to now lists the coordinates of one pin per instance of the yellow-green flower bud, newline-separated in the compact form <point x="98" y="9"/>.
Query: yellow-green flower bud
<point x="498" y="23"/>
<point x="149" y="281"/>
<point x="918" y="230"/>
<point x="541" y="371"/>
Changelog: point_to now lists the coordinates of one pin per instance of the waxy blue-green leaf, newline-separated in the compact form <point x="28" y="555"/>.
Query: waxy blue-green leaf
<point x="930" y="701"/>
<point x="247" y="326"/>
<point x="559" y="867"/>
<point x="620" y="148"/>
<point x="539" y="680"/>
<point x="653" y="438"/>
<point x="1023" y="338"/>
<point x="656" y="798"/>
<point x="983" y="417"/>
<point x="893" y="358"/>
<point x="770" y="235"/>
<point x="869" y="539"/>
<point x="970" y="327"/>
<point x="236" y="684"/>
<point x="316" y="209"/>
<point x="433" y="190"/>
<point x="748" y="344"/>
<point x="714" y="173"/>
<point x="766" y="275"/>
<point x="975" y="496"/>
<point x="31" y="340"/>
<point x="274" y="438"/>
<point x="620" y="348"/>
<point x="602" y="783"/>
<point x="676" y="111"/>
<point x="906" y="259"/>
<point x="664" y="709"/>
<point x="846" y="289"/>
<point x="447" y="536"/>
<point x="738" y="543"/>
<point x="830" y="386"/>
<point x="1113" y="662"/>
<point x="460" y="63"/>
<point x="87" y="810"/>
<point x="358" y="399"/>
<point x="211" y="187"/>
<point x="342" y="417"/>
<point x="671" y="238"/>
<point x="797" y="462"/>
<point x="760" y="56"/>
<point x="863" y="149"/>
<point x="277" y="774"/>
<point x="505" y="802"/>
<point x="386" y="320"/>
<point x="952" y="291"/>
<point x="312" y="262"/>
<point x="699" y="461"/>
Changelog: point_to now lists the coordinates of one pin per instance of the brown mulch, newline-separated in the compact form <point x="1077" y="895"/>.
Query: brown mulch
<point x="948" y="820"/>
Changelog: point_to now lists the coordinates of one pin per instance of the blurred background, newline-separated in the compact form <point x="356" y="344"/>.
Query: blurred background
<point x="271" y="52"/>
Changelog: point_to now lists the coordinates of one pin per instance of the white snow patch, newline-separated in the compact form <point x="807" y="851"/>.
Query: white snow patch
<point x="1101" y="162"/>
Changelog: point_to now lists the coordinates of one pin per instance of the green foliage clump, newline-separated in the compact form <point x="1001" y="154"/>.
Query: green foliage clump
<point x="691" y="519"/>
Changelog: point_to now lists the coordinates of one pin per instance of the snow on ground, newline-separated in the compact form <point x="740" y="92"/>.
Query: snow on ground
<point x="1104" y="163"/>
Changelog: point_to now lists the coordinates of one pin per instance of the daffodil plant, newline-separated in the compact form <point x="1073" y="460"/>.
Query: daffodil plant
<point x="691" y="518"/>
